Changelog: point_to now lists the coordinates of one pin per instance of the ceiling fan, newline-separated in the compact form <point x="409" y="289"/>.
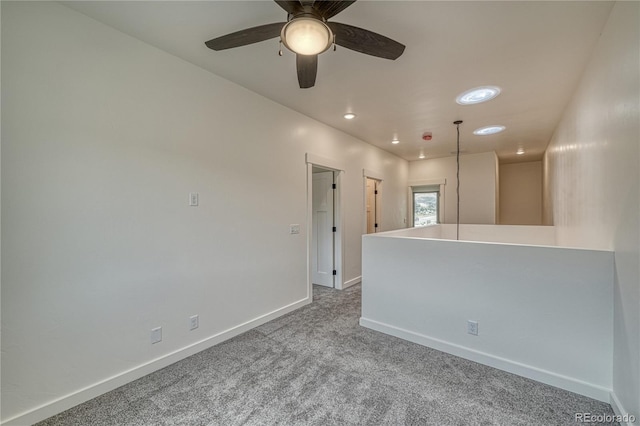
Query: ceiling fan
<point x="308" y="33"/>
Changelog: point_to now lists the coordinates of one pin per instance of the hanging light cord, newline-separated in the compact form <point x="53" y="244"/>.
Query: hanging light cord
<point x="458" y="123"/>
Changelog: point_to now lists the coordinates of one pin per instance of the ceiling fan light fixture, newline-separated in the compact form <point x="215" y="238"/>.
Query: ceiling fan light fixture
<point x="306" y="36"/>
<point x="478" y="95"/>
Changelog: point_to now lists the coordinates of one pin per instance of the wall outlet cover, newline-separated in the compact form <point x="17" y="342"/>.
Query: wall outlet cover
<point x="194" y="322"/>
<point x="472" y="327"/>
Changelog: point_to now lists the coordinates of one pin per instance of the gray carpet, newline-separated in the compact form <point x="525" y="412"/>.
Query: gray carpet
<point x="317" y="366"/>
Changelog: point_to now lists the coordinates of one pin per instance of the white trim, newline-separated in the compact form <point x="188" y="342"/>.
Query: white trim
<point x="353" y="281"/>
<point x="309" y="224"/>
<point x="564" y="382"/>
<point x="371" y="174"/>
<point x="619" y="410"/>
<point x="338" y="206"/>
<point x="325" y="162"/>
<point x="426" y="182"/>
<point x="78" y="397"/>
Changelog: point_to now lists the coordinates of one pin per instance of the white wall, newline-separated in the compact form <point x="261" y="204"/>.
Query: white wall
<point x="478" y="185"/>
<point x="521" y="193"/>
<point x="103" y="138"/>
<point x="591" y="188"/>
<point x="508" y="234"/>
<point x="542" y="312"/>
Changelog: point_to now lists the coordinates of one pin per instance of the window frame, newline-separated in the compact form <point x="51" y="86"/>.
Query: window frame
<point x="437" y="192"/>
<point x="426" y="186"/>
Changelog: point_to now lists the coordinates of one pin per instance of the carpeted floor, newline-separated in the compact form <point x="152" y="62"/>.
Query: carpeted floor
<point x="317" y="366"/>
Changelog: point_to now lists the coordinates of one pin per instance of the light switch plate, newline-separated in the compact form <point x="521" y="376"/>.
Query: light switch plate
<point x="294" y="229"/>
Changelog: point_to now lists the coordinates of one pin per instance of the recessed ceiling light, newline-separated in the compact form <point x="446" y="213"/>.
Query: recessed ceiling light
<point x="520" y="151"/>
<point x="488" y="130"/>
<point x="395" y="141"/>
<point x="349" y="116"/>
<point x="421" y="156"/>
<point x="477" y="95"/>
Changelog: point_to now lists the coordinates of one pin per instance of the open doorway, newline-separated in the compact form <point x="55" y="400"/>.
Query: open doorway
<point x="372" y="185"/>
<point x="325" y="253"/>
<point x="372" y="205"/>
<point x="323" y="227"/>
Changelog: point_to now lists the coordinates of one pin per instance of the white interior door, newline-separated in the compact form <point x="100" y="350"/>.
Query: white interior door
<point x="322" y="263"/>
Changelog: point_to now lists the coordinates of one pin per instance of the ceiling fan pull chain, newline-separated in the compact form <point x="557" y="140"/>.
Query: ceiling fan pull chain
<point x="280" y="51"/>
<point x="334" y="42"/>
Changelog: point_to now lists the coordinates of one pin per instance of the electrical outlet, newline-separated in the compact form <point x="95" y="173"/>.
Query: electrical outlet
<point x="193" y="199"/>
<point x="156" y="335"/>
<point x="472" y="327"/>
<point x="194" y="322"/>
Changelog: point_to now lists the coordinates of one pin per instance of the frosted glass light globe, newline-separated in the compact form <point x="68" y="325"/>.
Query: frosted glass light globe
<point x="306" y="36"/>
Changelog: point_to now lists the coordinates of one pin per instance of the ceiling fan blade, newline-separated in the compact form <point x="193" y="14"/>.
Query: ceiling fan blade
<point x="330" y="8"/>
<point x="290" y="6"/>
<point x="246" y="36"/>
<point x="307" y="66"/>
<point x="365" y="41"/>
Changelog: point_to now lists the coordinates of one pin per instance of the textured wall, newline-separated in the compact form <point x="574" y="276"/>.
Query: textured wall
<point x="103" y="138"/>
<point x="592" y="181"/>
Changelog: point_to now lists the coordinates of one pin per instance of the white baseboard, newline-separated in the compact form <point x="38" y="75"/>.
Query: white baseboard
<point x="564" y="382"/>
<point x="82" y="395"/>
<point x="354" y="281"/>
<point x="627" y="419"/>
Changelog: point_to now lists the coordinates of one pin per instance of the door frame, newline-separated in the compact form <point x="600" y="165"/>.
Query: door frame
<point x="370" y="174"/>
<point x="323" y="182"/>
<point x="337" y="168"/>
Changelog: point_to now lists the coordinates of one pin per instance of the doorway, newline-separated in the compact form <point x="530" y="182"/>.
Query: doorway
<point x="323" y="227"/>
<point x="372" y="204"/>
<point x="320" y="164"/>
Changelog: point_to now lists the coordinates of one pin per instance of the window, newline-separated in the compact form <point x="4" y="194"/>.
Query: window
<point x="426" y="201"/>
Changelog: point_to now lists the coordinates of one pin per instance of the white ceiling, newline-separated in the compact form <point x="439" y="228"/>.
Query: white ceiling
<point x="535" y="51"/>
